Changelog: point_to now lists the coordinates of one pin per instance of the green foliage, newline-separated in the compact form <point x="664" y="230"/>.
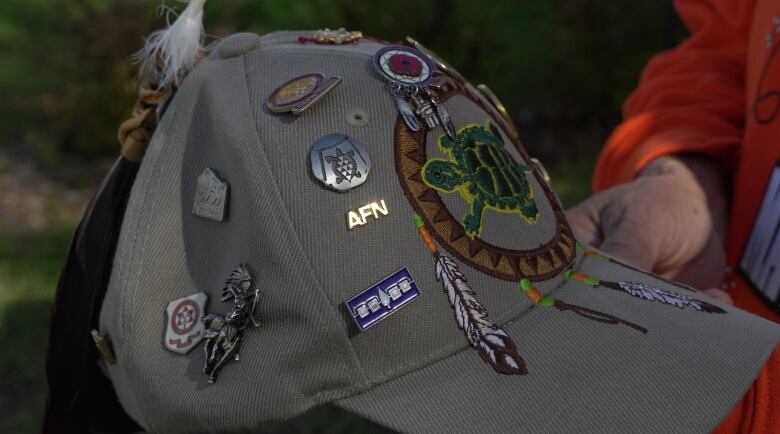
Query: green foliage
<point x="65" y="83"/>
<point x="29" y="266"/>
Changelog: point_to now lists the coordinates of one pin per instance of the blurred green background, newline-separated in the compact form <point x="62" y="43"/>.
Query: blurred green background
<point x="562" y="68"/>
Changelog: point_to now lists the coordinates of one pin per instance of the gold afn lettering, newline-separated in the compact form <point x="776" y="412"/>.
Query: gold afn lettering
<point x="360" y="216"/>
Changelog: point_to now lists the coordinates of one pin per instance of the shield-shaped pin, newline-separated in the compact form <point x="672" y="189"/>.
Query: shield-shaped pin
<point x="211" y="196"/>
<point x="340" y="162"/>
<point x="183" y="326"/>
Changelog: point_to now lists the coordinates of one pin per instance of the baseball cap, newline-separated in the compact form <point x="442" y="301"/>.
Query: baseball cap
<point x="391" y="249"/>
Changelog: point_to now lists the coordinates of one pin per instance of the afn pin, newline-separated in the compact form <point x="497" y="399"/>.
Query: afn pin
<point x="359" y="217"/>
<point x="340" y="162"/>
<point x="300" y="93"/>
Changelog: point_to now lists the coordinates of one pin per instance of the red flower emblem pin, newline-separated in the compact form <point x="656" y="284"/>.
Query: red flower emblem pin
<point x="405" y="64"/>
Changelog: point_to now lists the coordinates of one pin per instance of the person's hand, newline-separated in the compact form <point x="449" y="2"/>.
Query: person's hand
<point x="670" y="220"/>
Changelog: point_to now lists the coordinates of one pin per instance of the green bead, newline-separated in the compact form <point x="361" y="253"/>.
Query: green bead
<point x="525" y="284"/>
<point x="418" y="221"/>
<point x="547" y="302"/>
<point x="592" y="281"/>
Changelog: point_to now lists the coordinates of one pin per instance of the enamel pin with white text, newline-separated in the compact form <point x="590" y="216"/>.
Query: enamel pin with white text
<point x="382" y="299"/>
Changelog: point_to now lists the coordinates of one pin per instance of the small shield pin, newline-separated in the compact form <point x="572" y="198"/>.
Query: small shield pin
<point x="183" y="326"/>
<point x="211" y="196"/>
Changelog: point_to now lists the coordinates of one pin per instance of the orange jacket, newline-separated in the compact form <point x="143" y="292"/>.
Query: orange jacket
<point x="718" y="94"/>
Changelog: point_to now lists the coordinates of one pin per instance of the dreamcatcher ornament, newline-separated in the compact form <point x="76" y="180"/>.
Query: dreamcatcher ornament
<point x="410" y="79"/>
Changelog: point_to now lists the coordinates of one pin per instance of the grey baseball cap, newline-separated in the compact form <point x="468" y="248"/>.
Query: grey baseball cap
<point x="445" y="292"/>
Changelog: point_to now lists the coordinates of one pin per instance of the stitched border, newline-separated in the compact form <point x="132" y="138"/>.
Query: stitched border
<point x="537" y="264"/>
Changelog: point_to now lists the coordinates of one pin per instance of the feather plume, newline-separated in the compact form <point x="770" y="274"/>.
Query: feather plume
<point x="652" y="293"/>
<point x="169" y="54"/>
<point x="493" y="344"/>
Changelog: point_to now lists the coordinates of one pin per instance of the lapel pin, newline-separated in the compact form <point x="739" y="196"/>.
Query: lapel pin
<point x="409" y="74"/>
<point x="184" y="329"/>
<point x="333" y="37"/>
<point x="382" y="299"/>
<point x="300" y="93"/>
<point x="340" y="162"/>
<point x="103" y="345"/>
<point x="225" y="332"/>
<point x="359" y="217"/>
<point x="211" y="196"/>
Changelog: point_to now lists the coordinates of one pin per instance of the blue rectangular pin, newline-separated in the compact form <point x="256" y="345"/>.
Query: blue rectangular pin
<point x="382" y="299"/>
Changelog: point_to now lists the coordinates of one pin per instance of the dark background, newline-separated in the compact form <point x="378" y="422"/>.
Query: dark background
<point x="562" y="68"/>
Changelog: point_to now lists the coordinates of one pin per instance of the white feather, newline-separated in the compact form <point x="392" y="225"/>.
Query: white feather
<point x="493" y="343"/>
<point x="170" y="53"/>
<point x="652" y="293"/>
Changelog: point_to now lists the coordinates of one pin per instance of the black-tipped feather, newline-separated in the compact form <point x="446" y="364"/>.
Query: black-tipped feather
<point x="493" y="344"/>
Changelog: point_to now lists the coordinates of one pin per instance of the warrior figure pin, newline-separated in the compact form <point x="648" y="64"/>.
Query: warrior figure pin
<point x="224" y="333"/>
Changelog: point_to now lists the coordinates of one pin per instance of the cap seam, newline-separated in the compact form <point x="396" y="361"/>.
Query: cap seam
<point x="318" y="49"/>
<point x="286" y="217"/>
<point x="142" y="197"/>
<point x="328" y="395"/>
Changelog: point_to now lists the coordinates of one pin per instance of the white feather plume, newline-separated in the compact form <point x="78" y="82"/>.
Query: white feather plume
<point x="652" y="293"/>
<point x="493" y="344"/>
<point x="170" y="53"/>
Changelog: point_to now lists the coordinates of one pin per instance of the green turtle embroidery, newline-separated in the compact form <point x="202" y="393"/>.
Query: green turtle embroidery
<point x="484" y="173"/>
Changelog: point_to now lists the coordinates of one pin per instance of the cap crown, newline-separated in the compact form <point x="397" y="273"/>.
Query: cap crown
<point x="293" y="233"/>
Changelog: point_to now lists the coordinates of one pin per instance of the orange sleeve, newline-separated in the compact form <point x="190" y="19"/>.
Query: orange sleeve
<point x="690" y="98"/>
<point x="759" y="410"/>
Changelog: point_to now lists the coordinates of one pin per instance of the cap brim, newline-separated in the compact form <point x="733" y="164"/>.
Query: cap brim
<point x="685" y="374"/>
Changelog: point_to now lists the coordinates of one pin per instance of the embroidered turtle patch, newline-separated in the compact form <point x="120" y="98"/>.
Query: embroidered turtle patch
<point x="484" y="173"/>
<point x="461" y="179"/>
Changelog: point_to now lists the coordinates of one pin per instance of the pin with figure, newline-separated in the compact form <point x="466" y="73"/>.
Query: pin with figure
<point x="410" y="77"/>
<point x="225" y="333"/>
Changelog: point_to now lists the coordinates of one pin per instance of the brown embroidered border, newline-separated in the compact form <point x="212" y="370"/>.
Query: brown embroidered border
<point x="537" y="264"/>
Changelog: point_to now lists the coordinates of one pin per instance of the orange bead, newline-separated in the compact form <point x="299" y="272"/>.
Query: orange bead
<point x="428" y="240"/>
<point x="580" y="276"/>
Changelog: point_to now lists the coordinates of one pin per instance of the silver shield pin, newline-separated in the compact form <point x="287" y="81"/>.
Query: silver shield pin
<point x="340" y="162"/>
<point x="184" y="327"/>
<point x="211" y="196"/>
